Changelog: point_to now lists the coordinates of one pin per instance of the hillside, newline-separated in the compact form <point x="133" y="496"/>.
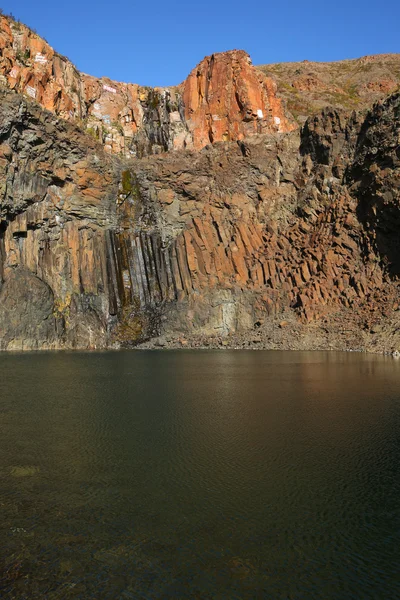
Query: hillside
<point x="307" y="87"/>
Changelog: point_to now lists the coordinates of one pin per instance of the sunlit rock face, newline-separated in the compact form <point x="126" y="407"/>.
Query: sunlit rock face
<point x="194" y="213"/>
<point x="224" y="98"/>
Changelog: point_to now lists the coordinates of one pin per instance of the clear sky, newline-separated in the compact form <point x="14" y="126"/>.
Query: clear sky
<point x="159" y="42"/>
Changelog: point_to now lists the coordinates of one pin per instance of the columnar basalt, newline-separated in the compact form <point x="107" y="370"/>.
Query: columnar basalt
<point x="216" y="221"/>
<point x="57" y="201"/>
<point x="267" y="225"/>
<point x="96" y="251"/>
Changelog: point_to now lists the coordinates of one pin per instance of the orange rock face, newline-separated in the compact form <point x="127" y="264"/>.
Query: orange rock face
<point x="95" y="250"/>
<point x="226" y="98"/>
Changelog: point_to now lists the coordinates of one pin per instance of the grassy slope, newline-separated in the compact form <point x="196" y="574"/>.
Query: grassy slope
<point x="307" y="87"/>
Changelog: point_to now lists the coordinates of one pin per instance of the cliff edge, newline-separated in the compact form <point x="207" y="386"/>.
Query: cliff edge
<point x="199" y="216"/>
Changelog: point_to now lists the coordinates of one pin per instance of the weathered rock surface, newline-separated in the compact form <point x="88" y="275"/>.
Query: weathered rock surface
<point x="248" y="234"/>
<point x="98" y="251"/>
<point x="26" y="313"/>
<point x="224" y="98"/>
<point x="277" y="224"/>
<point x="58" y="191"/>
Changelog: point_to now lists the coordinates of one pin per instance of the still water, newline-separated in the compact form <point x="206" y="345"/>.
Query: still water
<point x="204" y="475"/>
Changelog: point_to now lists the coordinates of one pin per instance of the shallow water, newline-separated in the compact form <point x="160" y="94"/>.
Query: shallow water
<point x="226" y="474"/>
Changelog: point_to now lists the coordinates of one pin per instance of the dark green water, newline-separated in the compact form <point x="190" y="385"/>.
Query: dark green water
<point x="207" y="475"/>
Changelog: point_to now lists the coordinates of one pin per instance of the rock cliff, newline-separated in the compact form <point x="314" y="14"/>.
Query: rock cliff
<point x="213" y="222"/>
<point x="224" y="98"/>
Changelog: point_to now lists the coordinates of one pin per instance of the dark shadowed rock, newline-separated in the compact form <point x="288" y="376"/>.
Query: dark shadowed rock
<point x="27" y="319"/>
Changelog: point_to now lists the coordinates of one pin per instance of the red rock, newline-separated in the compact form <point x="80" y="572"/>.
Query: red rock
<point x="225" y="97"/>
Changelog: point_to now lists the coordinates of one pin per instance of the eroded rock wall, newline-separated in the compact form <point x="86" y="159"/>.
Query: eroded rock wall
<point x="98" y="251"/>
<point x="243" y="232"/>
<point x="224" y="98"/>
<point x="58" y="191"/>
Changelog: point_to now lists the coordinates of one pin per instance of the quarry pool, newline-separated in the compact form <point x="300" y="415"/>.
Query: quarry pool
<point x="199" y="474"/>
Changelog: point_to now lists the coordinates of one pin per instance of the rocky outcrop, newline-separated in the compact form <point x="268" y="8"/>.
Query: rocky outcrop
<point x="96" y="251"/>
<point x="374" y="178"/>
<point x="246" y="232"/>
<point x="58" y="191"/>
<point x="268" y="225"/>
<point x="224" y="98"/>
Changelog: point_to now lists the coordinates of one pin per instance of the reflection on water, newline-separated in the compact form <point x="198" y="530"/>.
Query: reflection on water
<point x="199" y="475"/>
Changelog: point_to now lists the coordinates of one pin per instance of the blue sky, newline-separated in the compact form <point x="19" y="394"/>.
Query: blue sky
<point x="159" y="42"/>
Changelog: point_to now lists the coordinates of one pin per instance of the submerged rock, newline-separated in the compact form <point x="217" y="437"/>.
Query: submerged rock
<point x="24" y="471"/>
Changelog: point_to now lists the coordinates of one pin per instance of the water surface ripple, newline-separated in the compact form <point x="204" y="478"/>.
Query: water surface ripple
<point x="204" y="475"/>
